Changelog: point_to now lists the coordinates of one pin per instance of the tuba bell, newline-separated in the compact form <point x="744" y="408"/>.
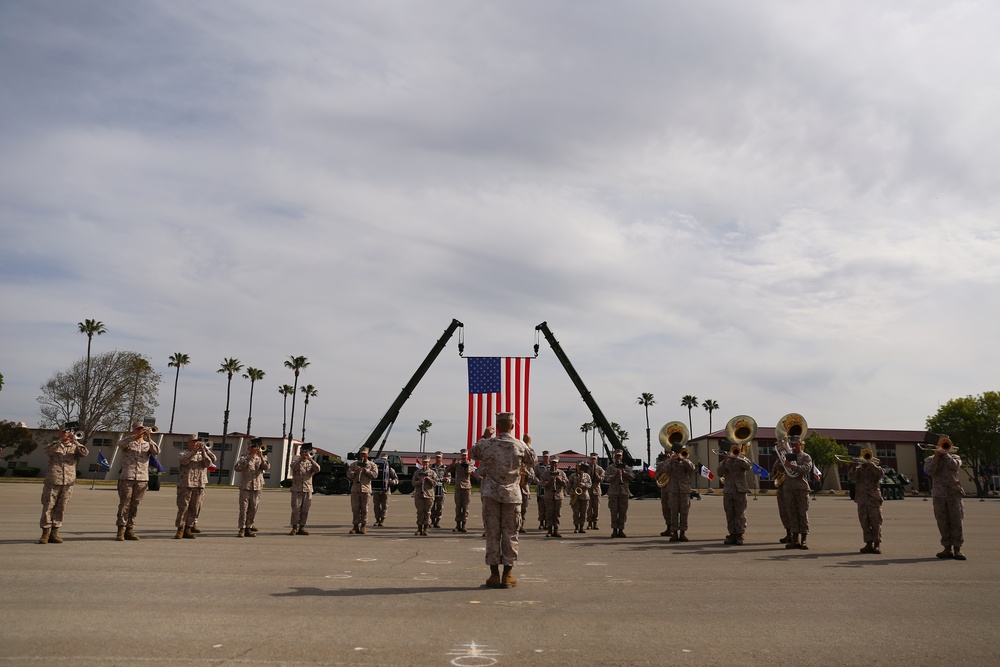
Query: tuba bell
<point x="741" y="429"/>
<point x="673" y="436"/>
<point x="791" y="424"/>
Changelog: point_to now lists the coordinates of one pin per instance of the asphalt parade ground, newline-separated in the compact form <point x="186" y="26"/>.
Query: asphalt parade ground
<point x="390" y="598"/>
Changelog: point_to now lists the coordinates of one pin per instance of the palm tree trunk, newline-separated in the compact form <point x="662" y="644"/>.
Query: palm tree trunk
<point x="84" y="422"/>
<point x="225" y="428"/>
<point x="250" y="412"/>
<point x="291" y="427"/>
<point x="649" y="450"/>
<point x="305" y="409"/>
<point x="173" y="408"/>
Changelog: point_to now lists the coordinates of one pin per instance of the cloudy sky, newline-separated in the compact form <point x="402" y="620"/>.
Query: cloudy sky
<point x="779" y="206"/>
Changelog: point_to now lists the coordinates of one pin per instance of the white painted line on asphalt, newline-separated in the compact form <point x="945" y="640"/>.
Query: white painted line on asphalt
<point x="438" y="562"/>
<point x="596" y="563"/>
<point x="473" y="655"/>
<point x="367" y="560"/>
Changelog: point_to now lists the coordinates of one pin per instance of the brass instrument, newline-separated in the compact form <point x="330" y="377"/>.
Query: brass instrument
<point x="791" y="424"/>
<point x="575" y="496"/>
<point x="944" y="445"/>
<point x="779" y="478"/>
<point x="673" y="434"/>
<point x="741" y="429"/>
<point x="867" y="456"/>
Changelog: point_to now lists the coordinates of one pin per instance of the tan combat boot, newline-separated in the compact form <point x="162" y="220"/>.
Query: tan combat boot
<point x="508" y="580"/>
<point x="242" y="533"/>
<point x="303" y="531"/>
<point x="44" y="539"/>
<point x="120" y="537"/>
<point x="130" y="535"/>
<point x="189" y="534"/>
<point x="958" y="555"/>
<point x="295" y="530"/>
<point x="54" y="536"/>
<point x="494" y="580"/>
<point x="363" y="530"/>
<point x="179" y="534"/>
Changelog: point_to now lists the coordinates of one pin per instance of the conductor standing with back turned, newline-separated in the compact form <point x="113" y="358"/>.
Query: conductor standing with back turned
<point x="501" y="456"/>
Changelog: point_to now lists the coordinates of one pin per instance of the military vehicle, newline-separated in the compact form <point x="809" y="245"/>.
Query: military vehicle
<point x="892" y="485"/>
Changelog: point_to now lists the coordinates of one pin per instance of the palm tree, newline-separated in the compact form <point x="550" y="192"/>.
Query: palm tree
<point x="645" y="400"/>
<point x="177" y="359"/>
<point x="309" y="391"/>
<point x="252" y="374"/>
<point x="89" y="327"/>
<point x="711" y="406"/>
<point x="586" y="428"/>
<point x="285" y="390"/>
<point x="423" y="427"/>
<point x="689" y="402"/>
<point x="297" y="364"/>
<point x="229" y="366"/>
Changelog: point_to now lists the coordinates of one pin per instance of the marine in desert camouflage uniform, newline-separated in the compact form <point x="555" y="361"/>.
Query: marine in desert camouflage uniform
<point x="361" y="473"/>
<point x="303" y="470"/>
<point x="580" y="480"/>
<point x="134" y="478"/>
<point x="555" y="482"/>
<point x="461" y="472"/>
<point x="424" y="480"/>
<point x="60" y="476"/>
<point x="501" y="456"/>
<point x="868" y="496"/>
<point x="192" y="476"/>
<point x="618" y="476"/>
<point x="252" y="467"/>
<point x="596" y="477"/>
<point x="733" y="468"/>
<point x="947" y="493"/>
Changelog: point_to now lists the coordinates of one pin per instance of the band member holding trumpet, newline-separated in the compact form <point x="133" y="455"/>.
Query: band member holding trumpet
<point x="303" y="470"/>
<point x="681" y="468"/>
<point x="798" y="467"/>
<point x="251" y="467"/>
<point x="596" y="477"/>
<point x="526" y="480"/>
<point x="866" y="473"/>
<point x="618" y="475"/>
<point x="60" y="476"/>
<point x="192" y="477"/>
<point x="946" y="491"/>
<point x="461" y="472"/>
<point x="361" y="473"/>
<point x="540" y="468"/>
<point x="733" y="468"/>
<point x="555" y="482"/>
<point x="579" y="485"/>
<point x="501" y="457"/>
<point x="441" y="470"/>
<point x="134" y="479"/>
<point x="424" y="481"/>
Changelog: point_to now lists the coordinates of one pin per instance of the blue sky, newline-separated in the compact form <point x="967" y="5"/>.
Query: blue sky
<point x="778" y="207"/>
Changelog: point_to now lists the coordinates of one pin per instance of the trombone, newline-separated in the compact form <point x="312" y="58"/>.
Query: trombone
<point x="867" y="456"/>
<point x="944" y="444"/>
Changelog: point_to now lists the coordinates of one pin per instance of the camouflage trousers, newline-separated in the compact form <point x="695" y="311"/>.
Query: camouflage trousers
<point x="783" y="509"/>
<point x="735" y="505"/>
<point x="54" y="500"/>
<point x="665" y="506"/>
<point x="949" y="512"/>
<point x="870" y="517"/>
<point x="618" y="507"/>
<point x="797" y="506"/>
<point x="301" y="502"/>
<point x="130" y="493"/>
<point x="423" y="506"/>
<point x="554" y="507"/>
<point x="594" y="508"/>
<point x="359" y="508"/>
<point x="680" y="507"/>
<point x="380" y="503"/>
<point x="580" y="510"/>
<point x="249" y="502"/>
<point x="437" y="508"/>
<point x="500" y="520"/>
<point x="462" y="499"/>
<point x="543" y="512"/>
<point x="525" y="501"/>
<point x="189" y="501"/>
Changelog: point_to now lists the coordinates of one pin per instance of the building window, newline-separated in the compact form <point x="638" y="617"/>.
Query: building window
<point x="179" y="444"/>
<point x="175" y="471"/>
<point x="765" y="450"/>
<point x="101" y="442"/>
<point x="217" y="447"/>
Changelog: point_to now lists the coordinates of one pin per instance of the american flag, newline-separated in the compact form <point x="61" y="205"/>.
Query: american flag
<point x="498" y="384"/>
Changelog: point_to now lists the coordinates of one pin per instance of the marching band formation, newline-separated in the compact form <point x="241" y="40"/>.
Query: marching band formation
<point x="507" y="469"/>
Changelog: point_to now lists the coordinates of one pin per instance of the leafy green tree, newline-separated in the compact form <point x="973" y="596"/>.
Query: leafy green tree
<point x="973" y="424"/>
<point x="645" y="400"/>
<point x="1" y="381"/>
<point x="252" y="374"/>
<point x="177" y="360"/>
<point x="824" y="451"/>
<point x="423" y="427"/>
<point x="91" y="328"/>
<point x="310" y="392"/>
<point x="18" y="438"/>
<point x="711" y="406"/>
<point x="117" y="387"/>
<point x="690" y="402"/>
